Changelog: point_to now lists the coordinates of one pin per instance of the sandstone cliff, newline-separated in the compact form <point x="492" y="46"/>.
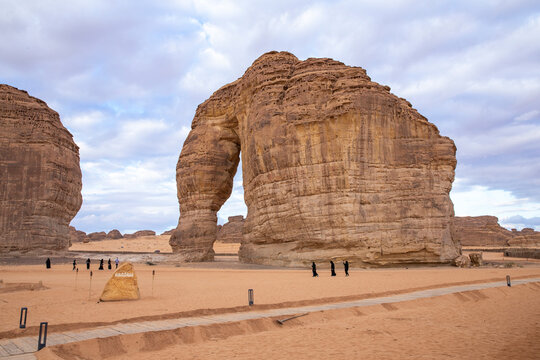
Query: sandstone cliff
<point x="231" y="232"/>
<point x="480" y="231"/>
<point x="40" y="177"/>
<point x="334" y="167"/>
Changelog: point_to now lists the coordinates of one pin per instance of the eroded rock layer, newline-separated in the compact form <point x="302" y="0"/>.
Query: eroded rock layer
<point x="334" y="167"/>
<point x="40" y="177"/>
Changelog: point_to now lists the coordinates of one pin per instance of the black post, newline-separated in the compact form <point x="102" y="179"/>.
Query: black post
<point x="42" y="340"/>
<point x="22" y="324"/>
<point x="508" y="281"/>
<point x="250" y="297"/>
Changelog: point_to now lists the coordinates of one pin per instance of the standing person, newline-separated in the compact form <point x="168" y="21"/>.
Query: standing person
<point x="100" y="264"/>
<point x="314" y="269"/>
<point x="117" y="262"/>
<point x="48" y="263"/>
<point x="109" y="264"/>
<point x="88" y="264"/>
<point x="332" y="268"/>
<point x="346" y="266"/>
<point x="74" y="264"/>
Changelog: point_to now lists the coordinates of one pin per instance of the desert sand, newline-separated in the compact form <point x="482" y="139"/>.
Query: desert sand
<point x="493" y="324"/>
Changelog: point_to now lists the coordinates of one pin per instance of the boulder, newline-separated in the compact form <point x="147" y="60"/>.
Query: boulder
<point x="334" y="166"/>
<point x="122" y="285"/>
<point x="168" y="232"/>
<point x="40" y="177"/>
<point x="140" y="233"/>
<point x="114" y="234"/>
<point x="231" y="232"/>
<point x="462" y="261"/>
<point x="480" y="231"/>
<point x="476" y="259"/>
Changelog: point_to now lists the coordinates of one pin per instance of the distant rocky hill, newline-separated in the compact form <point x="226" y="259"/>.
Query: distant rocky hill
<point x="486" y="231"/>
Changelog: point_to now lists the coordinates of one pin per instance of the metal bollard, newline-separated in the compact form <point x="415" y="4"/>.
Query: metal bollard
<point x="508" y="281"/>
<point x="250" y="297"/>
<point x="42" y="340"/>
<point x="22" y="324"/>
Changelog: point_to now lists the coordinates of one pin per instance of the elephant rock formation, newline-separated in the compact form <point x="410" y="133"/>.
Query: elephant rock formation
<point x="334" y="167"/>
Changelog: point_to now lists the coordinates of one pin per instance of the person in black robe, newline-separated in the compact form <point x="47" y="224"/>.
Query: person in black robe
<point x="100" y="264"/>
<point x="109" y="265"/>
<point x="88" y="264"/>
<point x="74" y="264"/>
<point x="332" y="268"/>
<point x="314" y="269"/>
<point x="346" y="266"/>
<point x="48" y="263"/>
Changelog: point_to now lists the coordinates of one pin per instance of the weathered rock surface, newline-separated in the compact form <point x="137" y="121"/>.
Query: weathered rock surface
<point x="480" y="231"/>
<point x="76" y="235"/>
<point x="334" y="167"/>
<point x="40" y="177"/>
<point x="139" y="234"/>
<point x="231" y="232"/>
<point x="97" y="236"/>
<point x="114" y="234"/>
<point x="168" y="232"/>
<point x="462" y="261"/>
<point x="122" y="285"/>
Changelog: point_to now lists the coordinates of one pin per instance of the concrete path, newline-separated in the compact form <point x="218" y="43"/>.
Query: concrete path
<point x="24" y="347"/>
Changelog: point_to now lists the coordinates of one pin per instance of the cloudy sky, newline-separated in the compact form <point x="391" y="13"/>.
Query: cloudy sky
<point x="127" y="76"/>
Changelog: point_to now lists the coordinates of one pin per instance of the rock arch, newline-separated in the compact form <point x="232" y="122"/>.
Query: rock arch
<point x="334" y="166"/>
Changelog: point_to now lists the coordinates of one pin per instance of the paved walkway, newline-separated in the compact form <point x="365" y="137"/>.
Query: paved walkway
<point x="24" y="347"/>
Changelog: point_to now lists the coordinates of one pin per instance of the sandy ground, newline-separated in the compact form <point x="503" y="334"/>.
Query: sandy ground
<point x="490" y="324"/>
<point x="68" y="302"/>
<point x="501" y="323"/>
<point x="144" y="244"/>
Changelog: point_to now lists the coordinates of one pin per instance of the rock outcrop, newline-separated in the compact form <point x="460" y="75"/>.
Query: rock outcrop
<point x="527" y="237"/>
<point x="140" y="233"/>
<point x="114" y="234"/>
<point x="97" y="236"/>
<point x="480" y="231"/>
<point x="76" y="235"/>
<point x="40" y="177"/>
<point x="334" y="167"/>
<point x="231" y="232"/>
<point x="486" y="231"/>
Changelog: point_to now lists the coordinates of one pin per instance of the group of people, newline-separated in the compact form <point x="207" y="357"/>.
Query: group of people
<point x="109" y="264"/>
<point x="332" y="268"/>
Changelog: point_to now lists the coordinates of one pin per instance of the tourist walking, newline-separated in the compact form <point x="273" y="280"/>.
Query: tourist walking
<point x="48" y="263"/>
<point x="346" y="267"/>
<point x="314" y="269"/>
<point x="88" y="264"/>
<point x="74" y="264"/>
<point x="100" y="264"/>
<point x="117" y="262"/>
<point x="109" y="264"/>
<point x="332" y="268"/>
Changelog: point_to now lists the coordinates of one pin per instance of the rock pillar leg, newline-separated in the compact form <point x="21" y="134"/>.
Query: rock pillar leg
<point x="204" y="173"/>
